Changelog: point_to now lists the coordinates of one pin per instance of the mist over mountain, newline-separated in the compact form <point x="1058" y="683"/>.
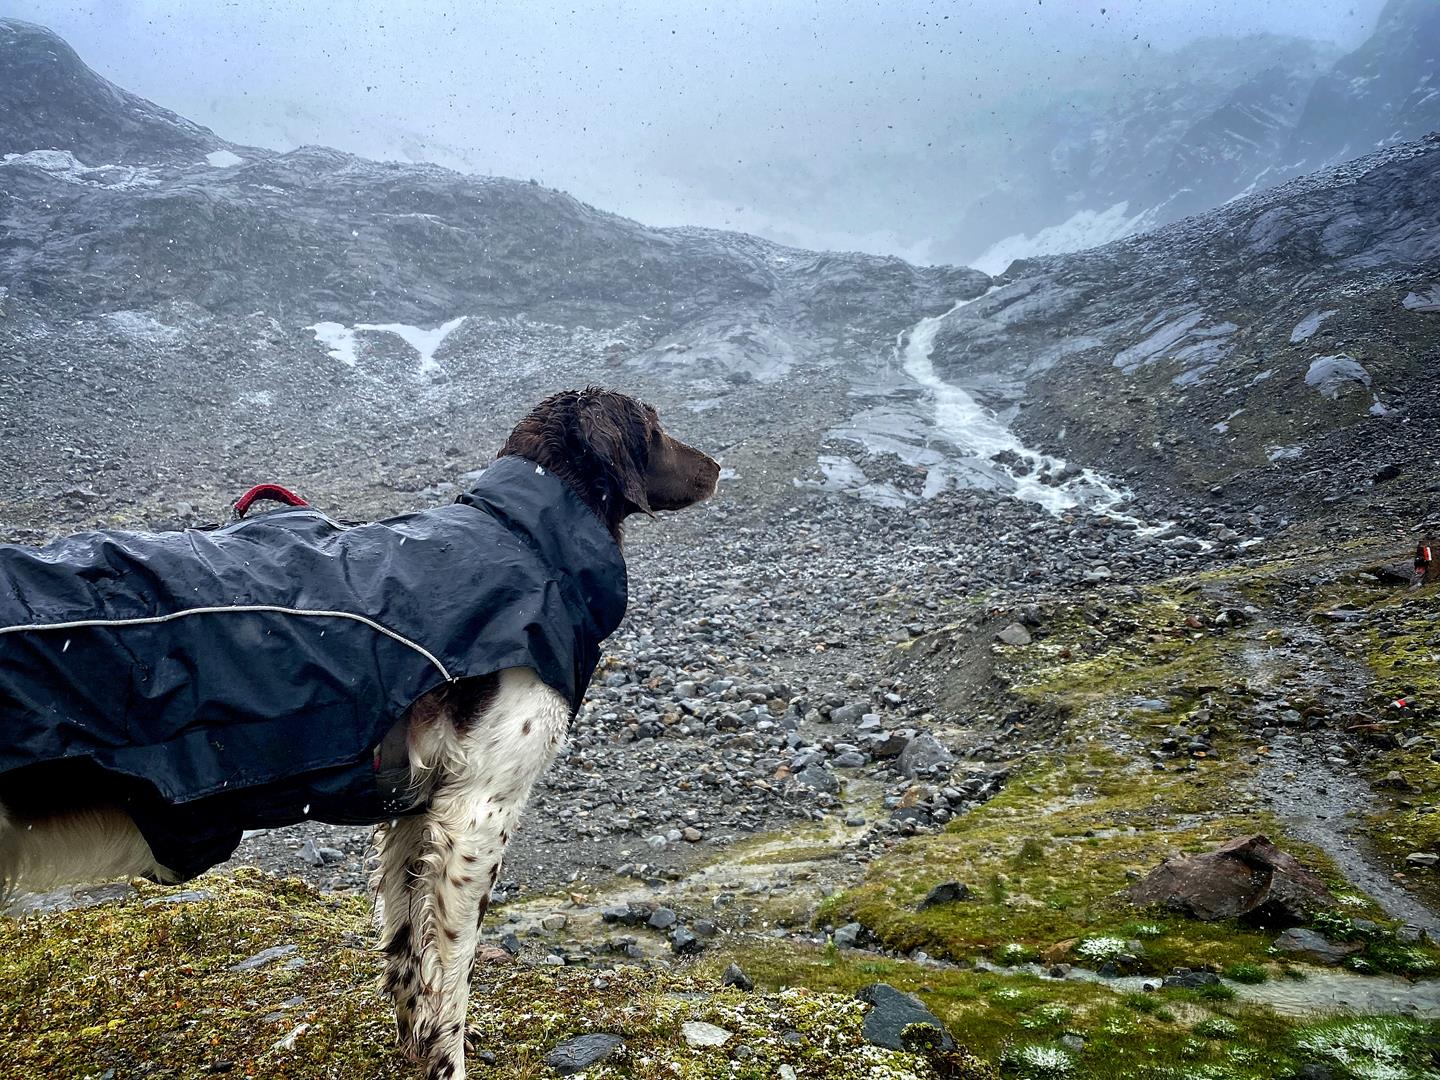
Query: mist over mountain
<point x="969" y="136"/>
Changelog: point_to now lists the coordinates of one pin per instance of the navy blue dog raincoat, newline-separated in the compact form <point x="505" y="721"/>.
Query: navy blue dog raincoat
<point x="212" y="681"/>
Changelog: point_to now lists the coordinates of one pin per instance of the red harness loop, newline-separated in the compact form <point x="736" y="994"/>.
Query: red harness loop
<point x="271" y="492"/>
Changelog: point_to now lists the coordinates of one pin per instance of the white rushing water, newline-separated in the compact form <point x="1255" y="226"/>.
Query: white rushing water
<point x="975" y="434"/>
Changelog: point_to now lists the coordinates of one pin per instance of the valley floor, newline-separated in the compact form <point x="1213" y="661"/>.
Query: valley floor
<point x="1098" y="698"/>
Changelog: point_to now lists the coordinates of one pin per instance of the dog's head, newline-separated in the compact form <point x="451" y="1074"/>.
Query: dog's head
<point x="614" y="452"/>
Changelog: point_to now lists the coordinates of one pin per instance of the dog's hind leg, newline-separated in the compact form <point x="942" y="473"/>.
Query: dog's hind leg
<point x="474" y="809"/>
<point x="100" y="843"/>
<point x="401" y="845"/>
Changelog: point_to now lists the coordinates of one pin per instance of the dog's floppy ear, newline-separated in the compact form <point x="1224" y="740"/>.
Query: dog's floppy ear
<point x="617" y="434"/>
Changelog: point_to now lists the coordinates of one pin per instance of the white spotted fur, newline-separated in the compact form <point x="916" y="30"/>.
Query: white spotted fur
<point x="437" y="869"/>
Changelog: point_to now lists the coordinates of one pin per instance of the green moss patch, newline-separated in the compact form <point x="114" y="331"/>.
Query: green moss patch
<point x="1046" y="1028"/>
<point x="149" y="990"/>
<point x="1047" y="861"/>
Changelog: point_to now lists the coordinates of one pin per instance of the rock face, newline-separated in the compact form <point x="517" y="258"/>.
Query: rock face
<point x="52" y="101"/>
<point x="1248" y="378"/>
<point x="1230" y="127"/>
<point x="1246" y="878"/>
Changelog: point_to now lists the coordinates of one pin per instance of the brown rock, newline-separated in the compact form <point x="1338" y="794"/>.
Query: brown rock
<point x="1246" y="878"/>
<point x="491" y="954"/>
<point x="1058" y="952"/>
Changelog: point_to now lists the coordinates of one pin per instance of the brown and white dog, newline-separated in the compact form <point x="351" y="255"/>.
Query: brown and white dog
<point x="476" y="748"/>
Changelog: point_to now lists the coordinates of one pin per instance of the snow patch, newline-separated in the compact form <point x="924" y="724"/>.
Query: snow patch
<point x="223" y="159"/>
<point x="424" y="342"/>
<point x="1307" y="326"/>
<point x="62" y="165"/>
<point x="1083" y="229"/>
<point x="341" y="340"/>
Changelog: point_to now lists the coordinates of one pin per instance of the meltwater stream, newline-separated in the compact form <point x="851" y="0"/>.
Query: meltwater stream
<point x="955" y="439"/>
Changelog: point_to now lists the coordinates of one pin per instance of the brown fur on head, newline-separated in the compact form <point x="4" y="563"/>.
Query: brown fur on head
<point x="613" y="452"/>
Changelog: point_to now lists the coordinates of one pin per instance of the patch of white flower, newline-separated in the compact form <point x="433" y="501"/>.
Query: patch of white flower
<point x="1351" y="900"/>
<point x="1046" y="1016"/>
<point x="1101" y="949"/>
<point x="1369" y="1049"/>
<point x="1217" y="1027"/>
<point x="1039" y="1062"/>
<point x="1145" y="930"/>
<point x="1011" y="953"/>
<point x="1418" y="962"/>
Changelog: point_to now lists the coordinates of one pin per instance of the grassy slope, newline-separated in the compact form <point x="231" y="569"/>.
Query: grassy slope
<point x="148" y="990"/>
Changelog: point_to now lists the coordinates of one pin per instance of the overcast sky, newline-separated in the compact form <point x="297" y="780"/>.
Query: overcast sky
<point x="668" y="112"/>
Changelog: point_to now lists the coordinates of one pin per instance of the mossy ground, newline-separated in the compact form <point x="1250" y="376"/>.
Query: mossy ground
<point x="1048" y="859"/>
<point x="148" y="990"/>
<point x="1022" y="1021"/>
<point x="1404" y="656"/>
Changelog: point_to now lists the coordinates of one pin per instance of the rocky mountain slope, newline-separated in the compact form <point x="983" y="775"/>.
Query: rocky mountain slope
<point x="1154" y="157"/>
<point x="865" y="672"/>
<point x="1283" y="343"/>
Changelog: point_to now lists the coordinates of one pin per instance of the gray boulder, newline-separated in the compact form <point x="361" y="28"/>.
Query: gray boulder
<point x="1298" y="943"/>
<point x="1014" y="634"/>
<point x="891" y="1012"/>
<point x="1330" y="376"/>
<point x="818" y="778"/>
<point x="922" y="754"/>
<point x="574" y="1055"/>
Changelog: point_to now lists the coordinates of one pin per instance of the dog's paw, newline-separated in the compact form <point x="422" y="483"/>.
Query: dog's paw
<point x="475" y="1047"/>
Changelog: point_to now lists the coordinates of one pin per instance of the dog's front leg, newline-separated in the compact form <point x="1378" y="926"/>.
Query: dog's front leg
<point x="474" y="809"/>
<point x="461" y="864"/>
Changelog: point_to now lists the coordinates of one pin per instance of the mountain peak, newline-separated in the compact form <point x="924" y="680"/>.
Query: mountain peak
<point x="53" y="101"/>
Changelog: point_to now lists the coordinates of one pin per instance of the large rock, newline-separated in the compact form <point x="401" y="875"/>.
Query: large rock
<point x="892" y="1011"/>
<point x="1333" y="375"/>
<point x="1246" y="878"/>
<point x="923" y="753"/>
<point x="818" y="778"/>
<point x="574" y="1055"/>
<point x="1014" y="634"/>
<point x="947" y="892"/>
